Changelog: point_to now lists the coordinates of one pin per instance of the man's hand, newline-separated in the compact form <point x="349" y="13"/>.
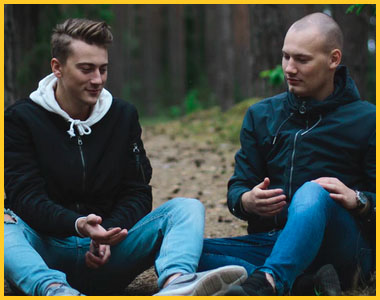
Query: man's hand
<point x="98" y="255"/>
<point x="262" y="201"/>
<point x="338" y="191"/>
<point x="90" y="226"/>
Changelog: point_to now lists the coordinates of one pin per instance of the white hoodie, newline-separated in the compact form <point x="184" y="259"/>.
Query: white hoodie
<point x="44" y="96"/>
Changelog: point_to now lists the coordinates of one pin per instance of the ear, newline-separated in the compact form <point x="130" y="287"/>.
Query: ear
<point x="335" y="58"/>
<point x="56" y="67"/>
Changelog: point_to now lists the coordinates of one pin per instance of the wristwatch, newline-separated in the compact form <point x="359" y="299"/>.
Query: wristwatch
<point x="361" y="200"/>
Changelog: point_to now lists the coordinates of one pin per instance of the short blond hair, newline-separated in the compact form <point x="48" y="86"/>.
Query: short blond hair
<point x="91" y="32"/>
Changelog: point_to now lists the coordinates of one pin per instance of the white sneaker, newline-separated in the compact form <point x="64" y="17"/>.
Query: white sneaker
<point x="62" y="290"/>
<point x="209" y="283"/>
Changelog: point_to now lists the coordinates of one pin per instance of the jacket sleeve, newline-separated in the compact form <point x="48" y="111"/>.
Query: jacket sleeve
<point x="134" y="197"/>
<point x="249" y="171"/>
<point x="24" y="185"/>
<point x="369" y="167"/>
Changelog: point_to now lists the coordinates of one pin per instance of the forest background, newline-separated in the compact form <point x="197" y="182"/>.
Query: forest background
<point x="192" y="71"/>
<point x="170" y="60"/>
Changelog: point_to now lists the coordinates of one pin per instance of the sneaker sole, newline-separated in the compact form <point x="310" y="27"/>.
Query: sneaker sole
<point x="217" y="283"/>
<point x="327" y="281"/>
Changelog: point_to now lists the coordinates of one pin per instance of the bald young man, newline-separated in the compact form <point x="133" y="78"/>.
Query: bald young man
<point x="304" y="177"/>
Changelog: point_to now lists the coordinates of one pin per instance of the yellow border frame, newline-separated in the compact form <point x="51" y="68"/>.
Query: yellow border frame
<point x="4" y="2"/>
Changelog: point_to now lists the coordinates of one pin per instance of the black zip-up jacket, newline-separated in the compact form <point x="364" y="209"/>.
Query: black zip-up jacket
<point x="52" y="179"/>
<point x="294" y="140"/>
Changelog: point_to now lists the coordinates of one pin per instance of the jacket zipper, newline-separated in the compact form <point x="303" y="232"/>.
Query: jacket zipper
<point x="294" y="151"/>
<point x="80" y="144"/>
<point x="139" y="167"/>
<point x="279" y="128"/>
<point x="302" y="111"/>
<point x="292" y="163"/>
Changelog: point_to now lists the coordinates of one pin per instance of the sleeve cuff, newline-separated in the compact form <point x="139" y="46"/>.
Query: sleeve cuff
<point x="76" y="227"/>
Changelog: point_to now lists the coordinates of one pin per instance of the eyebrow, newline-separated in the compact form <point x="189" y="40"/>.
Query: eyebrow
<point x="297" y="55"/>
<point x="90" y="64"/>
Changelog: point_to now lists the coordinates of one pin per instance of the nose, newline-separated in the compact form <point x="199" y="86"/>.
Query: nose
<point x="290" y="67"/>
<point x="97" y="77"/>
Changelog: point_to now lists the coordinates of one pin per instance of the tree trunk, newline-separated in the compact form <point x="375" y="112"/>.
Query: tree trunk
<point x="151" y="53"/>
<point x="220" y="53"/>
<point x="119" y="58"/>
<point x="177" y="53"/>
<point x="266" y="41"/>
<point x="20" y="30"/>
<point x="243" y="53"/>
<point x="210" y="36"/>
<point x="10" y="94"/>
<point x="355" y="49"/>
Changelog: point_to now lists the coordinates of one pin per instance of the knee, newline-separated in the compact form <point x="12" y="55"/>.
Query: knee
<point x="309" y="195"/>
<point x="9" y="217"/>
<point x="189" y="205"/>
<point x="310" y="188"/>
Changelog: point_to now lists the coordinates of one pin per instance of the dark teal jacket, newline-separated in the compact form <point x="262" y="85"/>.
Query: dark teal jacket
<point x="294" y="140"/>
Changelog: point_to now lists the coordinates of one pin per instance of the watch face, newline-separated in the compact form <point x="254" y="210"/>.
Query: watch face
<point x="362" y="199"/>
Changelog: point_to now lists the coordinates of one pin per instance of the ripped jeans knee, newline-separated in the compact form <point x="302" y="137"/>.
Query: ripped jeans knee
<point x="9" y="216"/>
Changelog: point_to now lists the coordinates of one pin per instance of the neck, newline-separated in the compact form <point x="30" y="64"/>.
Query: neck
<point x="327" y="90"/>
<point x="75" y="111"/>
<point x="324" y="94"/>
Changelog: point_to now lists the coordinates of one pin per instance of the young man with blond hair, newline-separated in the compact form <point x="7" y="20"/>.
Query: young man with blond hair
<point x="78" y="205"/>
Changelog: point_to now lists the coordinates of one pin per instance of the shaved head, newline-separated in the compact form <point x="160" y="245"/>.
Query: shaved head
<point x="326" y="26"/>
<point x="311" y="54"/>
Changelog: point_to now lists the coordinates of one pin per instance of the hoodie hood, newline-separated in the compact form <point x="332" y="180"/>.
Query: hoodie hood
<point x="345" y="91"/>
<point x="44" y="96"/>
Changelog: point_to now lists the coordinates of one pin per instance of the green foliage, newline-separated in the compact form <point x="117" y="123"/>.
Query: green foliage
<point x="358" y="8"/>
<point x="175" y="111"/>
<point x="105" y="13"/>
<point x="96" y="12"/>
<point x="275" y="76"/>
<point x="192" y="103"/>
<point x="131" y="42"/>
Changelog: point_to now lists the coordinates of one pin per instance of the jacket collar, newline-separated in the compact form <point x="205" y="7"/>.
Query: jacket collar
<point x="44" y="96"/>
<point x="345" y="91"/>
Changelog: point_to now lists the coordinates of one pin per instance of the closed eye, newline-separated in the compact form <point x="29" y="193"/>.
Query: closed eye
<point x="285" y="56"/>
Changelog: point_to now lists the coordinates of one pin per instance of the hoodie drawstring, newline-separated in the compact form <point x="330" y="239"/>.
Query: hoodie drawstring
<point x="82" y="128"/>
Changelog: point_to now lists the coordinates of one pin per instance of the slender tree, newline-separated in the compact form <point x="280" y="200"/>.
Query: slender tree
<point x="177" y="53"/>
<point x="243" y="51"/>
<point x="355" y="54"/>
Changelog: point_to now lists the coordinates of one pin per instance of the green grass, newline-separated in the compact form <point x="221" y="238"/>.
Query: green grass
<point x="211" y="125"/>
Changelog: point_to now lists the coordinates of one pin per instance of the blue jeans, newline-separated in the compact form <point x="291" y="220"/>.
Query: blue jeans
<point x="170" y="237"/>
<point x="318" y="231"/>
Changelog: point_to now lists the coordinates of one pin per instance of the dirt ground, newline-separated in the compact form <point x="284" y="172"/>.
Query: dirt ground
<point x="186" y="167"/>
<point x="196" y="169"/>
